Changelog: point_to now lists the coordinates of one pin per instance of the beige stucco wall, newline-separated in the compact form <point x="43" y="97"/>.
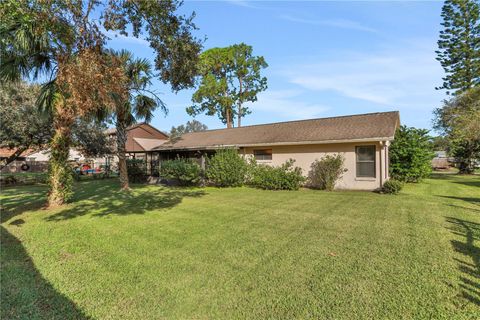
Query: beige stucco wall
<point x="304" y="155"/>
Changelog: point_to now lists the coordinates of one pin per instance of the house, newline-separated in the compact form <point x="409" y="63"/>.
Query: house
<point x="6" y="153"/>
<point x="44" y="155"/>
<point x="441" y="160"/>
<point x="362" y="139"/>
<point x="141" y="139"/>
<point x="16" y="165"/>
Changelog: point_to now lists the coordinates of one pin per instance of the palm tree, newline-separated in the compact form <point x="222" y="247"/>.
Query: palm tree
<point x="46" y="46"/>
<point x="140" y="104"/>
<point x="29" y="51"/>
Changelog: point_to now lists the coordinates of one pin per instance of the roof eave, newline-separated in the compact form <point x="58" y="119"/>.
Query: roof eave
<point x="215" y="147"/>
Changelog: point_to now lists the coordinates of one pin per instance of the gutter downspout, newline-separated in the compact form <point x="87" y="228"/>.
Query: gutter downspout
<point x="382" y="146"/>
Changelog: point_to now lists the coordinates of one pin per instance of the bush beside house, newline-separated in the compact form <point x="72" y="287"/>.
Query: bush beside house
<point x="226" y="169"/>
<point x="411" y="154"/>
<point x="325" y="172"/>
<point x="186" y="172"/>
<point x="392" y="186"/>
<point x="284" y="177"/>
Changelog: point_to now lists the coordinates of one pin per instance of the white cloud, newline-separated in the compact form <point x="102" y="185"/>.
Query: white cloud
<point x="241" y="3"/>
<point x="334" y="23"/>
<point x="395" y="77"/>
<point x="287" y="104"/>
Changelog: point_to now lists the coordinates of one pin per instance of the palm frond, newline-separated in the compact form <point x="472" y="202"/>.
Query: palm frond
<point x="47" y="97"/>
<point x="144" y="106"/>
<point x="27" y="53"/>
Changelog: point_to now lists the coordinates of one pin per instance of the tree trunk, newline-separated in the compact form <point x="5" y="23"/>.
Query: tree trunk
<point x="466" y="165"/>
<point x="121" y="151"/>
<point x="13" y="157"/>
<point x="229" y="118"/>
<point x="239" y="116"/>
<point x="60" y="172"/>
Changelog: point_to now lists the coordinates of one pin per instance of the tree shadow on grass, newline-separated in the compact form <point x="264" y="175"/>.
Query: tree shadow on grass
<point x="470" y="280"/>
<point x="456" y="178"/>
<point x="25" y="293"/>
<point x="109" y="200"/>
<point x="17" y="200"/>
<point x="471" y="200"/>
<point x="473" y="183"/>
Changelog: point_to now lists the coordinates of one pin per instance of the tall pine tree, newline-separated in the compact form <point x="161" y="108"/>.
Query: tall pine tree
<point x="459" y="45"/>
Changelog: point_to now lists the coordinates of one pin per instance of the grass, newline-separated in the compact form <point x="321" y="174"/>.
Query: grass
<point x="243" y="253"/>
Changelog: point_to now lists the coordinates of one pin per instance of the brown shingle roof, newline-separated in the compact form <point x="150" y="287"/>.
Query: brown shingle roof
<point x="149" y="144"/>
<point x="374" y="126"/>
<point x="111" y="131"/>
<point x="7" y="152"/>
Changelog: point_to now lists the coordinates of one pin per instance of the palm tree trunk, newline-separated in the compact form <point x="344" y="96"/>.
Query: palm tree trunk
<point x="121" y="151"/>
<point x="60" y="172"/>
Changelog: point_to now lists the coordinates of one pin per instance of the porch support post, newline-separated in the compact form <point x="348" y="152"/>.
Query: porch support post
<point x="202" y="165"/>
<point x="202" y="161"/>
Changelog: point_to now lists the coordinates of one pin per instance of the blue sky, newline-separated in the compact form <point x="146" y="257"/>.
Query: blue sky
<point x="325" y="58"/>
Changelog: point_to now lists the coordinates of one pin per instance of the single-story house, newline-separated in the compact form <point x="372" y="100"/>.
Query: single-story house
<point x="362" y="139"/>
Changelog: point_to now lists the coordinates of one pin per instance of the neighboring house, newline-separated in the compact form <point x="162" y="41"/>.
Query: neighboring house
<point x="141" y="138"/>
<point x="44" y="155"/>
<point x="16" y="165"/>
<point x="362" y="139"/>
<point x="6" y="153"/>
<point x="441" y="160"/>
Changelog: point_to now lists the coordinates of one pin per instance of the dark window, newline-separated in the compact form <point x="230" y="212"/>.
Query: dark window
<point x="365" y="161"/>
<point x="264" y="154"/>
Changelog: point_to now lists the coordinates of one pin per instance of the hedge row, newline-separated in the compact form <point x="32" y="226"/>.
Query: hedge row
<point x="228" y="169"/>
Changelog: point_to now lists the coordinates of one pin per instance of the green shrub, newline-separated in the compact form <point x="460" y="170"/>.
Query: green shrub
<point x="392" y="186"/>
<point x="186" y="172"/>
<point x="411" y="155"/>
<point x="136" y="169"/>
<point x="226" y="169"/>
<point x="284" y="177"/>
<point x="325" y="172"/>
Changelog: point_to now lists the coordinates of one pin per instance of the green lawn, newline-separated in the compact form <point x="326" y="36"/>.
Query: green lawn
<point x="243" y="253"/>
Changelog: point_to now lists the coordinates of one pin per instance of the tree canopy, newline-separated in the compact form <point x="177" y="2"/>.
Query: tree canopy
<point x="24" y="126"/>
<point x="228" y="77"/>
<point x="459" y="45"/>
<point x="459" y="121"/>
<point x="62" y="45"/>
<point x="410" y="154"/>
<point x="190" y="126"/>
<point x="139" y="104"/>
